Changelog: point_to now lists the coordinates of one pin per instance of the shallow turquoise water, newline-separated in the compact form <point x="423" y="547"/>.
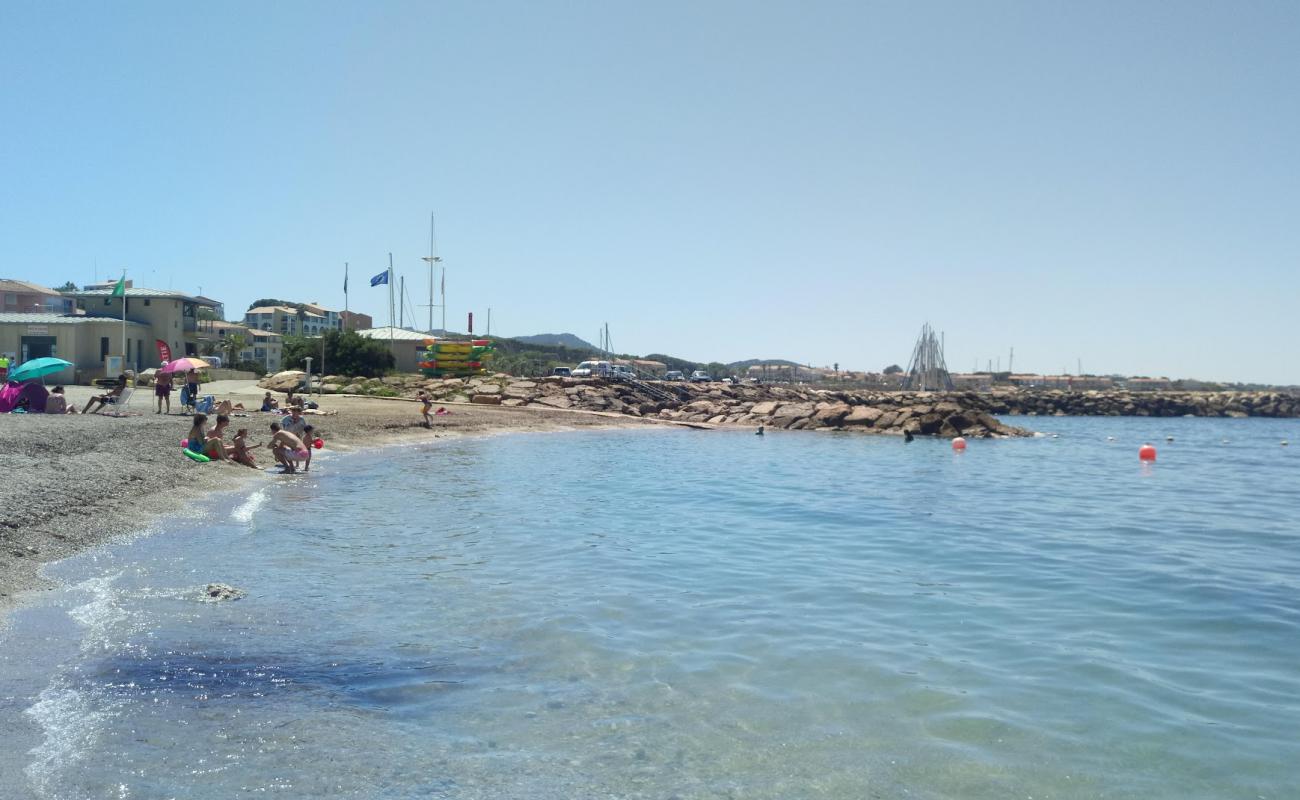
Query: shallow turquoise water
<point x="657" y="614"/>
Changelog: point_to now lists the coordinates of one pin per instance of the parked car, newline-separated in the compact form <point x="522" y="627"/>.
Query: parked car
<point x="563" y="372"/>
<point x="674" y="375"/>
<point x="700" y="376"/>
<point x="622" y="372"/>
<point x="589" y="368"/>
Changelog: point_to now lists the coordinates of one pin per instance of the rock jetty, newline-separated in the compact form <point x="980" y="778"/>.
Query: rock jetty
<point x="968" y="414"/>
<point x="776" y="407"/>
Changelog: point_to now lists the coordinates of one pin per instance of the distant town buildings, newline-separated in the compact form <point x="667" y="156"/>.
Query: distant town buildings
<point x="260" y="347"/>
<point x="306" y="320"/>
<point x="356" y="321"/>
<point x="21" y="297"/>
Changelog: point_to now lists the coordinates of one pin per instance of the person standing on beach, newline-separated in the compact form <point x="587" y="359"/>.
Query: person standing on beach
<point x="424" y="398"/>
<point x="162" y="389"/>
<point x="308" y="439"/>
<point x="192" y="386"/>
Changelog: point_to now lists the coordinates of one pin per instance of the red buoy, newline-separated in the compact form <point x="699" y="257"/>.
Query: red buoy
<point x="1147" y="453"/>
<point x="959" y="444"/>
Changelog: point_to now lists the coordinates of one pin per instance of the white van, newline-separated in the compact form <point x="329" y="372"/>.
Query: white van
<point x="599" y="369"/>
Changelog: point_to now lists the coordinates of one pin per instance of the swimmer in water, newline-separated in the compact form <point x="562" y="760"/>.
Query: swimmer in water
<point x="759" y="432"/>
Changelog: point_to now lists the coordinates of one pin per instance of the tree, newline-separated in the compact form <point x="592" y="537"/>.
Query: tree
<point x="346" y="353"/>
<point x="271" y="301"/>
<point x="893" y="369"/>
<point x="231" y="345"/>
<point x="67" y="287"/>
<point x="205" y="313"/>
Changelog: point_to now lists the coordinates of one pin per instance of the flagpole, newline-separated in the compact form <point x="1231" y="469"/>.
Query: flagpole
<point x="124" y="320"/>
<point x="346" y="312"/>
<point x="390" y="303"/>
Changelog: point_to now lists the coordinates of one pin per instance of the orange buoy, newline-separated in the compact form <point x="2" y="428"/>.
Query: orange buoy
<point x="959" y="444"/>
<point x="1147" y="453"/>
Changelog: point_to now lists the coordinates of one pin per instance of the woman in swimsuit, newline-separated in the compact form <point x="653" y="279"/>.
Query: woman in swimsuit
<point x="197" y="439"/>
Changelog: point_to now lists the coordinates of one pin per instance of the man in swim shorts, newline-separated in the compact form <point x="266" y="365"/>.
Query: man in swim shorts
<point x="287" y="448"/>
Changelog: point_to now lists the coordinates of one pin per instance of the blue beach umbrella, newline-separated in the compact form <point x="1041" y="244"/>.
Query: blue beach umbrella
<point x="38" y="368"/>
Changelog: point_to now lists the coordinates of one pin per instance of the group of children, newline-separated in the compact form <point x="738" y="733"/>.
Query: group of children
<point x="290" y="444"/>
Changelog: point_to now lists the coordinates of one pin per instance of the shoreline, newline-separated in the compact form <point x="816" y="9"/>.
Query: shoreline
<point x="78" y="481"/>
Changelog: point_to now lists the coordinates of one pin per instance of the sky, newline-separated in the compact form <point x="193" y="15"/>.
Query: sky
<point x="1110" y="185"/>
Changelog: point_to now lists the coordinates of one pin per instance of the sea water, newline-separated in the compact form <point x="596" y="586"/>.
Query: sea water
<point x="684" y="614"/>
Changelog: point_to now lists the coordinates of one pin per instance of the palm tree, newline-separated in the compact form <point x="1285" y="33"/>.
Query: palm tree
<point x="231" y="345"/>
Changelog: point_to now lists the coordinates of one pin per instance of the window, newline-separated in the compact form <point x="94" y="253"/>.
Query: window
<point x="146" y="301"/>
<point x="11" y="299"/>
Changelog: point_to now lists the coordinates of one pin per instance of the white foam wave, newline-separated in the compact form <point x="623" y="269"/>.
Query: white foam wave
<point x="244" y="512"/>
<point x="71" y="724"/>
<point x="102" y="614"/>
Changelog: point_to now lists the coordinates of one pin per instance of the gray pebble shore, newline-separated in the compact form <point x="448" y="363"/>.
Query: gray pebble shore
<point x="72" y="481"/>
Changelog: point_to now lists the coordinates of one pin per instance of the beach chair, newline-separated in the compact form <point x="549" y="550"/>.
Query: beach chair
<point x="117" y="406"/>
<point x="204" y="405"/>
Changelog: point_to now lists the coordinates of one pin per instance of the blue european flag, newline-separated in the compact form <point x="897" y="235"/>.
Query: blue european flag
<point x="380" y="278"/>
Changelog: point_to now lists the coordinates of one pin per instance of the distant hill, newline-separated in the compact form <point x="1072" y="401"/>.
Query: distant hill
<point x="556" y="340"/>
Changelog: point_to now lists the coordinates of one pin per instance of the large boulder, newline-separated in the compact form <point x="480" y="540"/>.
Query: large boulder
<point x="486" y="399"/>
<point x="553" y="400"/>
<point x="764" y="409"/>
<point x="791" y="412"/>
<point x="283" y="381"/>
<point x="830" y="414"/>
<point x="863" y="415"/>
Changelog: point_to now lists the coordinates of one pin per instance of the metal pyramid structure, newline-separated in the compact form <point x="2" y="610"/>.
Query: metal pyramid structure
<point x="927" y="371"/>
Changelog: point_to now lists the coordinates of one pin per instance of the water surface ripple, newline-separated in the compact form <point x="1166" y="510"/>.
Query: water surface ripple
<point x="656" y="614"/>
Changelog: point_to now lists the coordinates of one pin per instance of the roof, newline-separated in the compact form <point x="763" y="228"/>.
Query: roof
<point x="60" y="319"/>
<point x="270" y="310"/>
<point x="399" y="334"/>
<point x="159" y="294"/>
<point x="11" y="285"/>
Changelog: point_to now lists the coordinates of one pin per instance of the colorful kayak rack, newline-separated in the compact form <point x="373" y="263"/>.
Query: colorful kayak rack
<point x="455" y="358"/>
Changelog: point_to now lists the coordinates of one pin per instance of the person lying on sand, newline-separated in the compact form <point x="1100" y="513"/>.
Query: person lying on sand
<point x="287" y="448"/>
<point x="225" y="407"/>
<point x="242" y="453"/>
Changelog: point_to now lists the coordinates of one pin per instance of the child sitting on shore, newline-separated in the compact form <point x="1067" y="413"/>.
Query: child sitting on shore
<point x="242" y="453"/>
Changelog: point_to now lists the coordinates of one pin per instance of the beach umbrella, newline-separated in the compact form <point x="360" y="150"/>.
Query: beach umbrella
<point x="38" y="368"/>
<point x="183" y="364"/>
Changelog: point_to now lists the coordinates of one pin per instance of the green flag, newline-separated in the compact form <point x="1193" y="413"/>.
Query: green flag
<point x="120" y="289"/>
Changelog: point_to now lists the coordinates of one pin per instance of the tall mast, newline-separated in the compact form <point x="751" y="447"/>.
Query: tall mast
<point x="433" y="261"/>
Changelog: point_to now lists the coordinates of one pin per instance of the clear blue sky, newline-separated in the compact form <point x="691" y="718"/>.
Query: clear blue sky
<point x="1114" y="182"/>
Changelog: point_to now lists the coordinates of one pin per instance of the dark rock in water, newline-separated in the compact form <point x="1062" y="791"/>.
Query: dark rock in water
<point x="220" y="591"/>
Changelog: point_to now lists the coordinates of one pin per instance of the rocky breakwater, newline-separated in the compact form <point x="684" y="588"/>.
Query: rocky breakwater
<point x="777" y="407"/>
<point x="1137" y="404"/>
